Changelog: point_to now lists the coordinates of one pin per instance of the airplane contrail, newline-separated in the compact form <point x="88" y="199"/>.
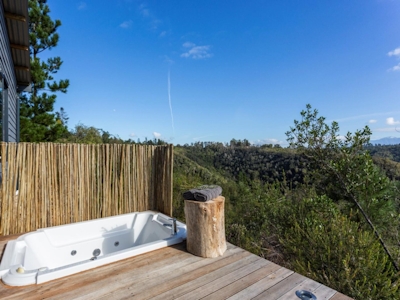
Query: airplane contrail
<point x="169" y="100"/>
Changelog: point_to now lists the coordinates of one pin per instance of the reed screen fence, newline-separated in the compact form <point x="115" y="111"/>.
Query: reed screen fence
<point x="49" y="184"/>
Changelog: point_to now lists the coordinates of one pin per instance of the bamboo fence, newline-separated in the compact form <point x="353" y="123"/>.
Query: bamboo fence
<point x="51" y="184"/>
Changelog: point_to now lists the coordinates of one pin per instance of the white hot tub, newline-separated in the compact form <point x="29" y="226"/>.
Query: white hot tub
<point x="59" y="251"/>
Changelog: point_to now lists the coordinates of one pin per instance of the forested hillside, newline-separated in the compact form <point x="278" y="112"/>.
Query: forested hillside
<point x="271" y="164"/>
<point x="391" y="152"/>
<point x="296" y="227"/>
<point x="315" y="210"/>
<point x="255" y="163"/>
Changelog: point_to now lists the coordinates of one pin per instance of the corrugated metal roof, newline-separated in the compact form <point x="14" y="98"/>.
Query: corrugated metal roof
<point x="16" y="16"/>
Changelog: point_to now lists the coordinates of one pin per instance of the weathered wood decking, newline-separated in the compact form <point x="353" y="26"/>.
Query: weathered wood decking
<point x="173" y="273"/>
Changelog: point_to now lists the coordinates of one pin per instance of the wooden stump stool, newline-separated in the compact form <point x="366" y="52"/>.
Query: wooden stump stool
<point x="205" y="225"/>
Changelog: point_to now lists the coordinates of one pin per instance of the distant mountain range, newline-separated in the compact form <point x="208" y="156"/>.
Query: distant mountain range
<point x="390" y="140"/>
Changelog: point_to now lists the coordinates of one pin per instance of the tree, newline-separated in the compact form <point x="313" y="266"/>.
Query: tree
<point x="86" y="135"/>
<point x="62" y="116"/>
<point x="108" y="138"/>
<point x="37" y="120"/>
<point x="342" y="168"/>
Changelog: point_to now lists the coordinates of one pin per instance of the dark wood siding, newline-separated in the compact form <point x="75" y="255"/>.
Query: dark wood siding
<point x="7" y="68"/>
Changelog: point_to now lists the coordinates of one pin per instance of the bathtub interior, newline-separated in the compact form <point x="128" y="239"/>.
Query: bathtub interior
<point x="59" y="246"/>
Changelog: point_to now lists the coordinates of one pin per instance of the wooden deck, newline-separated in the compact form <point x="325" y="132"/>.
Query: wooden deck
<point x="173" y="273"/>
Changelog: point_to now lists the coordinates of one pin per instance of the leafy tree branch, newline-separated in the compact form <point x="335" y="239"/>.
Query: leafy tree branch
<point x="341" y="165"/>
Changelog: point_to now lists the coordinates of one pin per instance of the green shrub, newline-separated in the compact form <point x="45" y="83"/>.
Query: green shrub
<point x="326" y="246"/>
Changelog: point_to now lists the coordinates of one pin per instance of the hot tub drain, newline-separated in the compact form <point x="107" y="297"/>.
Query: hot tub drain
<point x="96" y="252"/>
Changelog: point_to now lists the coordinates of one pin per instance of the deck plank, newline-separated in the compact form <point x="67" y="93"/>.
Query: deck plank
<point x="281" y="287"/>
<point x="131" y="273"/>
<point x="212" y="274"/>
<point x="244" y="282"/>
<point x="262" y="285"/>
<point x="308" y="285"/>
<point x="231" y="276"/>
<point x="91" y="279"/>
<point x="173" y="273"/>
<point x="158" y="285"/>
<point x="324" y="292"/>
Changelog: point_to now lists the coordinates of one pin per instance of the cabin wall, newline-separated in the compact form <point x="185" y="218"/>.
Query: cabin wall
<point x="10" y="111"/>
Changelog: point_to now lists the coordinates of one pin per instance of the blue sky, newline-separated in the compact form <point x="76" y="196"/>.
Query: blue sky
<point x="187" y="71"/>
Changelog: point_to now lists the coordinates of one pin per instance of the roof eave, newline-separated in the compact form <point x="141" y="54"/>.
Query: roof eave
<point x="17" y="23"/>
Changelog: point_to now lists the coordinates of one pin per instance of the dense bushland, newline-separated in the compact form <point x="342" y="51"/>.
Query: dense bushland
<point x="334" y="217"/>
<point x="301" y="230"/>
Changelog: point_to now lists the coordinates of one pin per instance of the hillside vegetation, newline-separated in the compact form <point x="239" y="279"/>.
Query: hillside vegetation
<point x="329" y="211"/>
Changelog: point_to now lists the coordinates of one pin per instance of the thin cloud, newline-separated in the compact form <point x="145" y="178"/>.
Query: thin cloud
<point x="364" y="116"/>
<point x="395" y="52"/>
<point x="267" y="141"/>
<point x="196" y="52"/>
<point x="272" y="141"/>
<point x="188" y="45"/>
<point x="82" y="5"/>
<point x="148" y="15"/>
<point x="372" y="121"/>
<point x="168" y="60"/>
<point x="156" y="135"/>
<point x="162" y="34"/>
<point x="384" y="129"/>
<point x="391" y="121"/>
<point x="155" y="23"/>
<point x="126" y="24"/>
<point x="145" y="12"/>
<point x="132" y="134"/>
<point x="395" y="68"/>
<point x="201" y="137"/>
